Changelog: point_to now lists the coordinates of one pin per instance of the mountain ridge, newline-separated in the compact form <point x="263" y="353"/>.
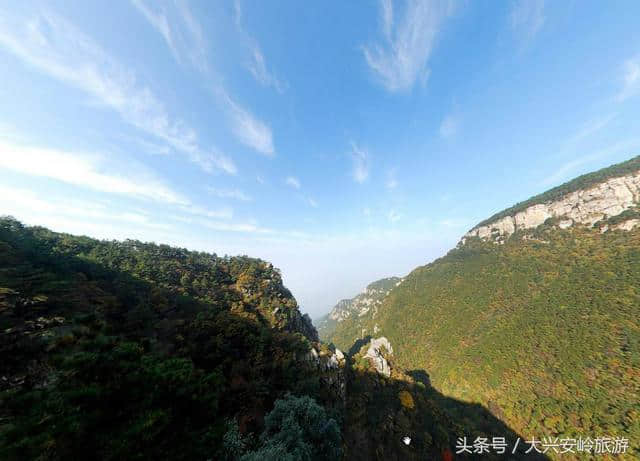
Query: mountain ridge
<point x="130" y="350"/>
<point x="368" y="300"/>
<point x="581" y="182"/>
<point x="540" y="325"/>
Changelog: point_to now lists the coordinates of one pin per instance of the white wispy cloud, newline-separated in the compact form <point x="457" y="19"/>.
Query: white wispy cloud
<point x="360" y="159"/>
<point x="158" y="20"/>
<point x="256" y="62"/>
<point x="197" y="43"/>
<point x="455" y="223"/>
<point x="258" y="68"/>
<point x="246" y="127"/>
<point x="95" y="171"/>
<point x="179" y="29"/>
<point x="80" y="216"/>
<point x="237" y="227"/>
<point x="588" y="129"/>
<point x="57" y="48"/>
<point x="392" y="181"/>
<point x="312" y="202"/>
<point x="449" y="126"/>
<point x="403" y="55"/>
<point x="236" y="194"/>
<point x="630" y="79"/>
<point x="393" y="216"/>
<point x="249" y="130"/>
<point x="527" y="17"/>
<point x="152" y="147"/>
<point x="222" y="213"/>
<point x="569" y="168"/>
<point x="292" y="182"/>
<point x="86" y="170"/>
<point x="575" y="146"/>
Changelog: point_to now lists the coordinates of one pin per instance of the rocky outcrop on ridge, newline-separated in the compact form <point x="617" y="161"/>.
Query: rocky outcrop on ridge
<point x="586" y="206"/>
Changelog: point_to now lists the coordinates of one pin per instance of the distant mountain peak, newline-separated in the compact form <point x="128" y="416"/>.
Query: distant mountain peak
<point x="364" y="303"/>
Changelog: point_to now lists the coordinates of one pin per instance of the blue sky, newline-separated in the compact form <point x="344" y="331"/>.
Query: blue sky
<point x="343" y="141"/>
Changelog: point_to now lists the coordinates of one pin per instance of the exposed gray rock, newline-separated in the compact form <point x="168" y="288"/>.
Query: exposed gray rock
<point x="376" y="352"/>
<point x="367" y="300"/>
<point x="585" y="206"/>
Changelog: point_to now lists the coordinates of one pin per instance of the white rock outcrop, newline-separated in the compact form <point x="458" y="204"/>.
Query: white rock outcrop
<point x="325" y="361"/>
<point x="628" y="224"/>
<point x="585" y="206"/>
<point x="367" y="301"/>
<point x="377" y="349"/>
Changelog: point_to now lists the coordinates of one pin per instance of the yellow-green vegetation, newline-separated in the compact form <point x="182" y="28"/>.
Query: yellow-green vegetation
<point x="128" y="350"/>
<point x="364" y="303"/>
<point x="381" y="411"/>
<point x="406" y="400"/>
<point x="543" y="330"/>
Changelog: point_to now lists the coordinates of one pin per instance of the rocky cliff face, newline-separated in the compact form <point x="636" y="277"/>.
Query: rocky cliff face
<point x="364" y="305"/>
<point x="587" y="206"/>
<point x="376" y="352"/>
<point x="369" y="299"/>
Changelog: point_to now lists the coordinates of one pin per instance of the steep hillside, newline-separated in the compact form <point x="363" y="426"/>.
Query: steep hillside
<point x="128" y="350"/>
<point x="364" y="304"/>
<point x="539" y="323"/>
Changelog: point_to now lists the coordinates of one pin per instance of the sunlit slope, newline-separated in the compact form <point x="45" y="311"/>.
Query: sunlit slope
<point x="543" y="330"/>
<point x="130" y="350"/>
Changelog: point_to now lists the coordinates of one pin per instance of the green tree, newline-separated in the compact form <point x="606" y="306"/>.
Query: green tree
<point x="298" y="429"/>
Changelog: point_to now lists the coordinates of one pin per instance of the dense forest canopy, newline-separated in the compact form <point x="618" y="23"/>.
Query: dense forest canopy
<point x="127" y="350"/>
<point x="542" y="330"/>
<point x="131" y="350"/>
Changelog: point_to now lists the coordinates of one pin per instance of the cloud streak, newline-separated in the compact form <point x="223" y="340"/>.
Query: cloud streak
<point x="93" y="171"/>
<point x="568" y="168"/>
<point x="192" y="46"/>
<point x="235" y="194"/>
<point x="360" y="159"/>
<point x="85" y="170"/>
<point x="256" y="64"/>
<point x="55" y="47"/>
<point x="402" y="56"/>
<point x="180" y="30"/>
<point x="630" y="79"/>
<point x="292" y="181"/>
<point x="527" y="17"/>
<point x="392" y="180"/>
<point x="80" y="216"/>
<point x="449" y="126"/>
<point x="249" y="130"/>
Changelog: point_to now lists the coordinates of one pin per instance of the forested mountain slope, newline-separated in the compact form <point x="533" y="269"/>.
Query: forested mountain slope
<point x="127" y="350"/>
<point x="130" y="350"/>
<point x="541" y="325"/>
<point x="364" y="304"/>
